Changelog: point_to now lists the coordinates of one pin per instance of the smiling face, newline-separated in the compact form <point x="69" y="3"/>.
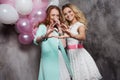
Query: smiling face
<point x="54" y="15"/>
<point x="73" y="14"/>
<point x="69" y="14"/>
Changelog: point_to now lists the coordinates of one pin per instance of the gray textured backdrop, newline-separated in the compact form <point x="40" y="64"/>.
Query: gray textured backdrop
<point x="21" y="62"/>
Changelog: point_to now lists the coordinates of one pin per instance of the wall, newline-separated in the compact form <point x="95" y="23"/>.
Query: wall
<point x="103" y="35"/>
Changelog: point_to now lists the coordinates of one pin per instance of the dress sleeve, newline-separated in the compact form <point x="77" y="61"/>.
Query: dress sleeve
<point x="40" y="32"/>
<point x="80" y="24"/>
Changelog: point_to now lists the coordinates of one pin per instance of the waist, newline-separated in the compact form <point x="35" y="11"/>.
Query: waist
<point x="74" y="46"/>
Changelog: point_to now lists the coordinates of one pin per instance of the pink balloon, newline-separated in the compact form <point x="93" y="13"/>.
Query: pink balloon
<point x="24" y="26"/>
<point x="34" y="31"/>
<point x="25" y="38"/>
<point x="40" y="4"/>
<point x="37" y="15"/>
<point x="11" y="2"/>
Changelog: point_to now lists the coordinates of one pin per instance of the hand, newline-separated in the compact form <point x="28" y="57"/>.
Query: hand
<point x="57" y="25"/>
<point x="68" y="33"/>
<point x="63" y="26"/>
<point x="59" y="37"/>
<point x="50" y="29"/>
<point x="57" y="21"/>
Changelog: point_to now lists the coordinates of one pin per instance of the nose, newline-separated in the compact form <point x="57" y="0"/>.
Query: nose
<point x="68" y="15"/>
<point x="56" y="16"/>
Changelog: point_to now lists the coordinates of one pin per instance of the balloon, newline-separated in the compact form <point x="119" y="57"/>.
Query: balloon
<point x="24" y="26"/>
<point x="10" y="2"/>
<point x="24" y="7"/>
<point x="40" y="4"/>
<point x="34" y="31"/>
<point x="3" y="1"/>
<point x="25" y="38"/>
<point x="37" y="15"/>
<point x="8" y="14"/>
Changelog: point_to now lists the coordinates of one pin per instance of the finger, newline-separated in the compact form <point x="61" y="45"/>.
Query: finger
<point x="64" y="26"/>
<point x="56" y="20"/>
<point x="55" y="36"/>
<point x="55" y="24"/>
<point x="51" y="30"/>
<point x="51" y="26"/>
<point x="48" y="27"/>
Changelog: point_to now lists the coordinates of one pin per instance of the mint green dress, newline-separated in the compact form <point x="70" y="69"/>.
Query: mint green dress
<point x="49" y="62"/>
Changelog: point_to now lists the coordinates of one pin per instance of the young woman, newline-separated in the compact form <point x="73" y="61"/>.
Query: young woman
<point x="82" y="64"/>
<point x="54" y="64"/>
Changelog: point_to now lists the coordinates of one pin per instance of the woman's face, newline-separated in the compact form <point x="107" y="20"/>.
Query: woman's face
<point x="54" y="15"/>
<point x="68" y="14"/>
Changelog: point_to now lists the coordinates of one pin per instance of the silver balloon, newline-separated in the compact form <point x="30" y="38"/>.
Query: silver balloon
<point x="24" y="7"/>
<point x="8" y="14"/>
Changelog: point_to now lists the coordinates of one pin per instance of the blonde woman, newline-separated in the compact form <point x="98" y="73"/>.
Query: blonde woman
<point x="82" y="64"/>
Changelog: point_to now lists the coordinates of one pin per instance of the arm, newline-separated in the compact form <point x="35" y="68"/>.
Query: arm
<point x="40" y="32"/>
<point x="45" y="36"/>
<point x="41" y="38"/>
<point x="81" y="33"/>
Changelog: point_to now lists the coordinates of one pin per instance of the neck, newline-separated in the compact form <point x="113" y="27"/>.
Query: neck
<point x="73" y="21"/>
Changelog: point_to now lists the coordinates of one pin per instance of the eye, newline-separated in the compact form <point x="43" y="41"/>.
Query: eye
<point x="52" y="15"/>
<point x="58" y="15"/>
<point x="69" y="11"/>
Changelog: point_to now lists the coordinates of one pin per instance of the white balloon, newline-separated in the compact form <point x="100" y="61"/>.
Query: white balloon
<point x="24" y="7"/>
<point x="8" y="14"/>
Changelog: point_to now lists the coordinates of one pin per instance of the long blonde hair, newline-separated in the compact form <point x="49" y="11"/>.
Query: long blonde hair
<point x="78" y="13"/>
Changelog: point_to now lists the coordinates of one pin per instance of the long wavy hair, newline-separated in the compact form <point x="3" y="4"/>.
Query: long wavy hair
<point x="78" y="13"/>
<point x="46" y="21"/>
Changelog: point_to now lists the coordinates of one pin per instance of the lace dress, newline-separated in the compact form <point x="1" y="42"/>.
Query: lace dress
<point x="82" y="64"/>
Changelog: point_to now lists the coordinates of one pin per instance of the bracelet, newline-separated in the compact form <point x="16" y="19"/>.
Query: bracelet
<point x="43" y="38"/>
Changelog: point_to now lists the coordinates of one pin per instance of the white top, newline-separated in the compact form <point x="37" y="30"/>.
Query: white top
<point x="73" y="29"/>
